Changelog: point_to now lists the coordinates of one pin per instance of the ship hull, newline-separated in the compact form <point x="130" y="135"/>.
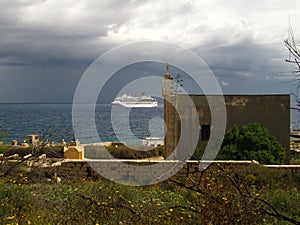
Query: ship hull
<point x="136" y="105"/>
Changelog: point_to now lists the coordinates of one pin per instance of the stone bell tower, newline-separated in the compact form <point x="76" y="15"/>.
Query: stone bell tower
<point x="168" y="93"/>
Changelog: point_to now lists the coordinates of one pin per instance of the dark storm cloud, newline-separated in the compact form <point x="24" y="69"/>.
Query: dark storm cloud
<point x="45" y="46"/>
<point x="51" y="43"/>
<point x="245" y="59"/>
<point x="46" y="31"/>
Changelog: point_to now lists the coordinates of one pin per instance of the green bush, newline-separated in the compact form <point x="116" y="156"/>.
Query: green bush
<point x="252" y="142"/>
<point x="3" y="148"/>
<point x="199" y="150"/>
<point x="121" y="152"/>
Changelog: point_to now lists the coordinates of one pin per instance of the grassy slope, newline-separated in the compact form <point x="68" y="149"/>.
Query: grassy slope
<point x="28" y="200"/>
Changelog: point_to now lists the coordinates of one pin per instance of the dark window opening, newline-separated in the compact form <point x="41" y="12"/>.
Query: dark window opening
<point x="205" y="132"/>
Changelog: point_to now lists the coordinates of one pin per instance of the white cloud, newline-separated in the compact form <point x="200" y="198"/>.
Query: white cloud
<point x="194" y="23"/>
<point x="88" y="24"/>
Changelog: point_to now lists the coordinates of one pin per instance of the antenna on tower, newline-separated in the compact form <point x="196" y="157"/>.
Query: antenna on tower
<point x="179" y="80"/>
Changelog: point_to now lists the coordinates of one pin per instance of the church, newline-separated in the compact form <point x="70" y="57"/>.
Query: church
<point x="272" y="111"/>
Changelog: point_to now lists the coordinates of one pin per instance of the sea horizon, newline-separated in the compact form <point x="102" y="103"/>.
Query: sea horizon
<point x="22" y="119"/>
<point x="55" y="121"/>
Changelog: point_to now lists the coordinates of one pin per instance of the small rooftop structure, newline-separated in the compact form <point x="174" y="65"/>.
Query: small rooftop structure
<point x="152" y="141"/>
<point x="32" y="139"/>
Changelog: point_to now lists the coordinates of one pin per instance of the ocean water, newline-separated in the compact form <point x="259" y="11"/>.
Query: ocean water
<point x="54" y="122"/>
<point x="295" y="119"/>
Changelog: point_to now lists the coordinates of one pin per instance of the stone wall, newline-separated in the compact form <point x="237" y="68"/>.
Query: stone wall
<point x="295" y="145"/>
<point x="84" y="169"/>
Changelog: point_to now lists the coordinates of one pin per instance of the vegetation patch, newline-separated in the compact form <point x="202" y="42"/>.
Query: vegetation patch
<point x="218" y="196"/>
<point x="251" y="142"/>
<point x="121" y="152"/>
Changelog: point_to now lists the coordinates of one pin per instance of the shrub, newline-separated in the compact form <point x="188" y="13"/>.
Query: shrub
<point x="121" y="152"/>
<point x="252" y="142"/>
<point x="3" y="148"/>
<point x="198" y="153"/>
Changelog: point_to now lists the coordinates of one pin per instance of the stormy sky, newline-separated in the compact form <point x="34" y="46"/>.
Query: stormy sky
<point x="46" y="46"/>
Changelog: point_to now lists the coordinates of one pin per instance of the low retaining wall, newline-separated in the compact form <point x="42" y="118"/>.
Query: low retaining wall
<point x="291" y="168"/>
<point x="144" y="171"/>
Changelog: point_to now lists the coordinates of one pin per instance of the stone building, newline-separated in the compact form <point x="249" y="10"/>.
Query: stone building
<point x="152" y="142"/>
<point x="74" y="151"/>
<point x="32" y="139"/>
<point x="271" y="111"/>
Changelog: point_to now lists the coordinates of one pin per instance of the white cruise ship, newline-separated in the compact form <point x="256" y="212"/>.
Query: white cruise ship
<point x="128" y="101"/>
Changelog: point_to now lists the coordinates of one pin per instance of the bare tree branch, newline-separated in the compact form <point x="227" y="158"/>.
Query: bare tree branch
<point x="275" y="212"/>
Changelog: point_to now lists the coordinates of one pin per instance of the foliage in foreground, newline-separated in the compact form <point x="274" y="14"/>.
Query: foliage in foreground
<point x="252" y="142"/>
<point x="121" y="152"/>
<point x="24" y="199"/>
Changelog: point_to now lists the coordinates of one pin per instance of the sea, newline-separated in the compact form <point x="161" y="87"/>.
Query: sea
<point x="53" y="122"/>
